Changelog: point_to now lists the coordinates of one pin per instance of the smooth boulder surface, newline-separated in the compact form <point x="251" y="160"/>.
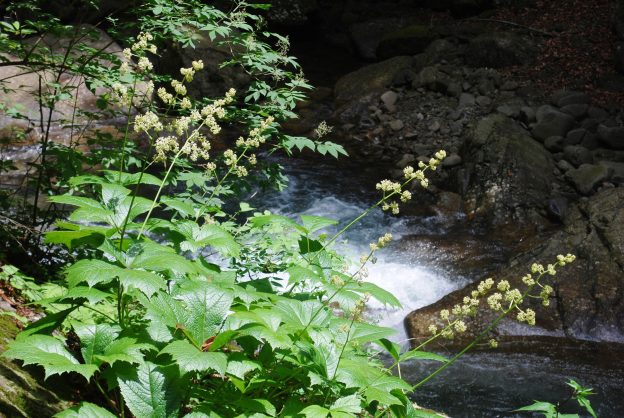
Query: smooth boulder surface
<point x="551" y="122"/>
<point x="369" y="79"/>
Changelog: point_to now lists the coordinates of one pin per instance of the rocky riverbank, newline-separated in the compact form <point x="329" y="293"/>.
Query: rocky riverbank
<point x="542" y="168"/>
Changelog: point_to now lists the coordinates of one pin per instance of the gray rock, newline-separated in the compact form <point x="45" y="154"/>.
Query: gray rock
<point x="527" y="114"/>
<point x="590" y="141"/>
<point x="454" y="89"/>
<point x="588" y="177"/>
<point x="434" y="126"/>
<point x="564" y="166"/>
<point x="554" y="143"/>
<point x="433" y="79"/>
<point x="466" y="100"/>
<point x="578" y="111"/>
<point x="575" y="136"/>
<point x="499" y="49"/>
<point x="483" y="101"/>
<point x="597" y="113"/>
<point x="389" y="100"/>
<point x="588" y="303"/>
<point x="509" y="111"/>
<point x="551" y="122"/>
<point x="567" y="97"/>
<point x="617" y="170"/>
<point x="577" y="155"/>
<point x="406" y="160"/>
<point x="368" y="79"/>
<point x="452" y="160"/>
<point x="396" y="125"/>
<point x="612" y="136"/>
<point x="509" y="85"/>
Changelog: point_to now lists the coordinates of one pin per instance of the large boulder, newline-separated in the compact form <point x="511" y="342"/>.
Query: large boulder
<point x="588" y="302"/>
<point x="410" y="40"/>
<point x="551" y="122"/>
<point x="509" y="175"/>
<point x="500" y="49"/>
<point x="371" y="78"/>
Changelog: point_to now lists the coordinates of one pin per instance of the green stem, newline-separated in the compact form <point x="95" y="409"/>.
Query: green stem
<point x="127" y="130"/>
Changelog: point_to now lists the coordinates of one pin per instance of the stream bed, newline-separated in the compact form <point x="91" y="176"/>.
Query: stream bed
<point x="429" y="257"/>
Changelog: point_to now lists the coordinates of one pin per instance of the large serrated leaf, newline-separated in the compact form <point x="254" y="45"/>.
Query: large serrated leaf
<point x="48" y="352"/>
<point x="85" y="410"/>
<point x="422" y="355"/>
<point x="189" y="358"/>
<point x="314" y="223"/>
<point x="94" y="339"/>
<point x="151" y="391"/>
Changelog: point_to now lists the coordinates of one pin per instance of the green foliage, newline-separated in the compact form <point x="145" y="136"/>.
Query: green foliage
<point x="549" y="410"/>
<point x="181" y="298"/>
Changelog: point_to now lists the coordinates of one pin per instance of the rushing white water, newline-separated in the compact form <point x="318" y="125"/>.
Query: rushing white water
<point x="323" y="192"/>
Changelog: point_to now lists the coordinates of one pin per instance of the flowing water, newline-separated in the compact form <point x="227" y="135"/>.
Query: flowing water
<point x="425" y="261"/>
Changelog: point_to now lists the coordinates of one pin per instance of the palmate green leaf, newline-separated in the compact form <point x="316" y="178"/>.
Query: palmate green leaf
<point x="262" y="220"/>
<point x="346" y="407"/>
<point x="94" y="339"/>
<point x="82" y="202"/>
<point x="48" y="323"/>
<point x="74" y="239"/>
<point x="546" y="407"/>
<point x="314" y="223"/>
<point x="375" y="383"/>
<point x="95" y="272"/>
<point x="124" y="349"/>
<point x="302" y="313"/>
<point x="198" y="237"/>
<point x="391" y="347"/>
<point x="128" y="179"/>
<point x="238" y="365"/>
<point x="151" y="391"/>
<point x="92" y="295"/>
<point x="315" y="411"/>
<point x="113" y="194"/>
<point x="362" y="332"/>
<point x="300" y="274"/>
<point x="206" y="308"/>
<point x="190" y="359"/>
<point x="48" y="352"/>
<point x="381" y="295"/>
<point x="157" y="257"/>
<point x="422" y="355"/>
<point x="163" y="314"/>
<point x="259" y="406"/>
<point x="85" y="410"/>
<point x="183" y="207"/>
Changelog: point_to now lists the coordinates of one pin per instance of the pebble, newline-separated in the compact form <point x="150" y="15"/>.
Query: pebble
<point x="397" y="125"/>
<point x="484" y="101"/>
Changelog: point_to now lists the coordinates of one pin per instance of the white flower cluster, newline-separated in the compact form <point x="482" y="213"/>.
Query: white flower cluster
<point x="505" y="299"/>
<point x="381" y="242"/>
<point x="147" y="122"/>
<point x="322" y="129"/>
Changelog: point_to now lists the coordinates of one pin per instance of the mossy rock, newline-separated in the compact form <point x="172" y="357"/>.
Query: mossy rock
<point x="410" y="40"/>
<point x="22" y="391"/>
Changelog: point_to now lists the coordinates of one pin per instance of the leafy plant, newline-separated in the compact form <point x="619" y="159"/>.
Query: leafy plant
<point x="549" y="410"/>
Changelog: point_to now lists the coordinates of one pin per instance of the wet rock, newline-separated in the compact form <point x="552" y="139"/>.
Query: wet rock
<point x="448" y="204"/>
<point x="499" y="49"/>
<point x="612" y="136"/>
<point x="577" y="155"/>
<point x="369" y="79"/>
<point x="588" y="177"/>
<point x="551" y="122"/>
<point x="587" y="303"/>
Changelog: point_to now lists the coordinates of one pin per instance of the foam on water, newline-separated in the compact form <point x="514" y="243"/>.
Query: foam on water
<point x="414" y="284"/>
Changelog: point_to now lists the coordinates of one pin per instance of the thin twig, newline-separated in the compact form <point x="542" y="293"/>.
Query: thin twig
<point x="518" y="25"/>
